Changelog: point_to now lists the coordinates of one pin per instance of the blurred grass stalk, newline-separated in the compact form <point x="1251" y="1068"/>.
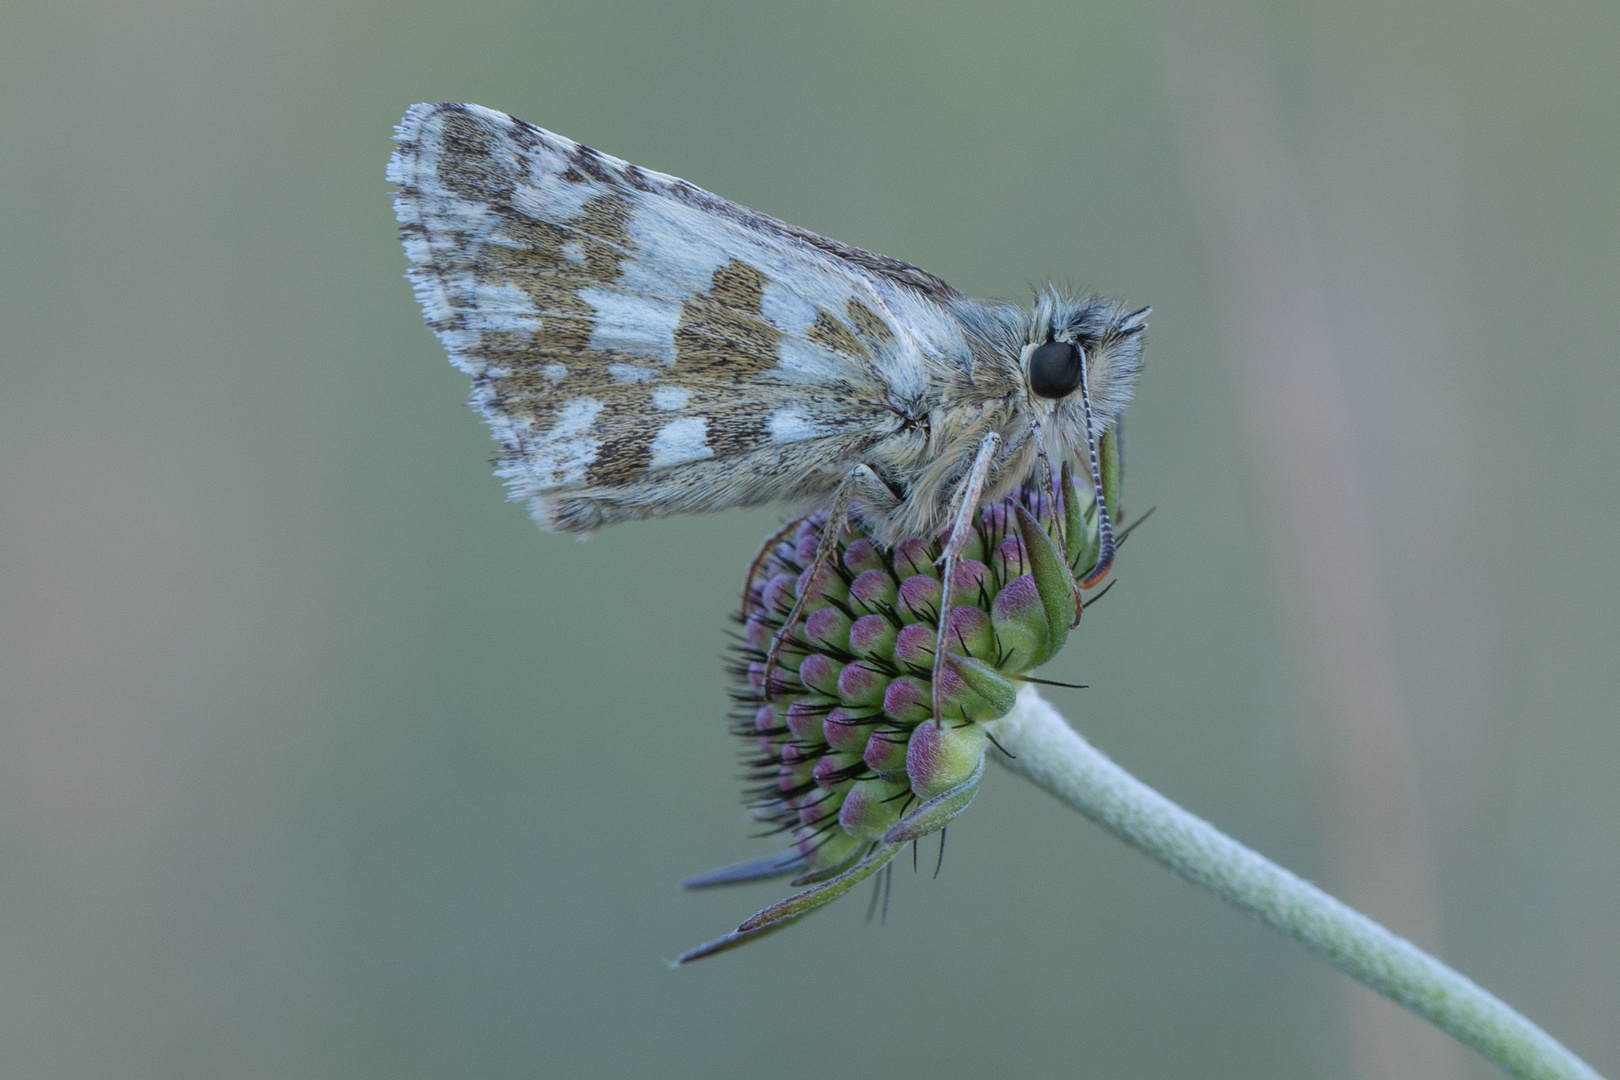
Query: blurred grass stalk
<point x="1302" y="433"/>
<point x="1041" y="747"/>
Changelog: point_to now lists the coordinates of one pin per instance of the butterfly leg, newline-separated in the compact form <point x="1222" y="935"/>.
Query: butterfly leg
<point x="874" y="495"/>
<point x="763" y="554"/>
<point x="967" y="505"/>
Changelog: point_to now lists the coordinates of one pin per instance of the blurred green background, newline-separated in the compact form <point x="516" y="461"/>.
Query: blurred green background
<point x="318" y="760"/>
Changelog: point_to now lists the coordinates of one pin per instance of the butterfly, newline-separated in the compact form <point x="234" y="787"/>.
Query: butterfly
<point x="642" y="347"/>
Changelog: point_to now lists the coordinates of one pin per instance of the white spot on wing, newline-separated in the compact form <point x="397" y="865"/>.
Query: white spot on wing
<point x="681" y="440"/>
<point x="554" y="372"/>
<point x="918" y="321"/>
<point x="631" y="373"/>
<point x="788" y="424"/>
<point x="670" y="398"/>
<point x="801" y="361"/>
<point x="500" y="308"/>
<point x="553" y="154"/>
<point x="628" y="323"/>
<point x="677" y="250"/>
<point x="558" y="200"/>
<point x="785" y="309"/>
<point x="576" y="416"/>
<point x="562" y="454"/>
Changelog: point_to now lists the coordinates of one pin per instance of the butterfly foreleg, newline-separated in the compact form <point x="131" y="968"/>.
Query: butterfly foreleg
<point x="761" y="556"/>
<point x="967" y="505"/>
<point x="860" y="485"/>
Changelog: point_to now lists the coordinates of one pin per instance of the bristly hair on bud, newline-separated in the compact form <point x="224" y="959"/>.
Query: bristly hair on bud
<point x="845" y="755"/>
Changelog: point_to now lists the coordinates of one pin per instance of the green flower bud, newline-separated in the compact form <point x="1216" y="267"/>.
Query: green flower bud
<point x="1019" y="620"/>
<point x="968" y="632"/>
<point x="914" y="647"/>
<point x="820" y="673"/>
<point x="846" y="729"/>
<point x="915" y="556"/>
<point x="873" y="806"/>
<point x="872" y="591"/>
<point x="886" y="749"/>
<point x="804" y="717"/>
<point x="940" y="756"/>
<point x="871" y="636"/>
<point x="919" y="599"/>
<point x="908" y="700"/>
<point x="828" y="629"/>
<point x="862" y="683"/>
<point x="862" y="555"/>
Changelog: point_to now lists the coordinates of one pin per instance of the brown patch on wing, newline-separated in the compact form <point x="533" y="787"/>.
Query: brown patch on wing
<point x="623" y="459"/>
<point x="468" y="164"/>
<point x="830" y="333"/>
<point x="739" y="286"/>
<point x="740" y="428"/>
<point x="721" y="335"/>
<point x="721" y="341"/>
<point x="538" y="262"/>
<point x="869" y="325"/>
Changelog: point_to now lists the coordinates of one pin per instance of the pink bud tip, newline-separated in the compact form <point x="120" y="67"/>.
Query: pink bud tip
<point x="919" y="597"/>
<point x="844" y="730"/>
<point x="914" y="646"/>
<point x="820" y="673"/>
<point x="912" y="557"/>
<point x="863" y="555"/>
<point x="859" y="684"/>
<point x="873" y="588"/>
<point x="804" y="720"/>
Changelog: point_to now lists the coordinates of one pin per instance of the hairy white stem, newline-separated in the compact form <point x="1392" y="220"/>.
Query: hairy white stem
<point x="1049" y="753"/>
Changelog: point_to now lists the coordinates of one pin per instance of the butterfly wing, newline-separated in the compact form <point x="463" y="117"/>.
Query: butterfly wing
<point x="640" y="346"/>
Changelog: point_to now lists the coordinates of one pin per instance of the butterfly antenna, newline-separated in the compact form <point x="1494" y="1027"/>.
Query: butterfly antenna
<point x="1105" y="528"/>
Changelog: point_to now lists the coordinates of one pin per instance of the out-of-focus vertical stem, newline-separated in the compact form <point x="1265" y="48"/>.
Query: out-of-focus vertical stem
<point x="1302" y="435"/>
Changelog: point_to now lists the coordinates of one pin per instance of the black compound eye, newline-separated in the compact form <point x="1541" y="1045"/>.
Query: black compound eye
<point x="1054" y="369"/>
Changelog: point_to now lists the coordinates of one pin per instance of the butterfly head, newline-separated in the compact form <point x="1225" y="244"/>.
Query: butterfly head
<point x="1080" y="361"/>
<point x="1084" y="351"/>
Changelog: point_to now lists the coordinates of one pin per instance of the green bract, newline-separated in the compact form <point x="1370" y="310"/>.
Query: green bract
<point x="846" y="756"/>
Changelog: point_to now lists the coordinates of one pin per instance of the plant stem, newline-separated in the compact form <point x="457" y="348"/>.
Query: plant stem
<point x="1049" y="753"/>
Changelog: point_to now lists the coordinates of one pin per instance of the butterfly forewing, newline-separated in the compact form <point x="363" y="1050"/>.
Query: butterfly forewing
<point x="641" y="346"/>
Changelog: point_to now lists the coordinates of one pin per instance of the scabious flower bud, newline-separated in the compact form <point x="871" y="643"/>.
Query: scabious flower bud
<point x="871" y="635"/>
<point x="845" y="729"/>
<point x="862" y="683"/>
<point x="847" y="740"/>
<point x="1019" y="618"/>
<point x="915" y="556"/>
<point x="940" y="756"/>
<point x="828" y="629"/>
<point x="919" y="599"/>
<point x="908" y="700"/>
<point x="820" y="673"/>
<point x="886" y="749"/>
<point x="873" y="806"/>
<point x="968" y="632"/>
<point x="863" y="555"/>
<point x="872" y="590"/>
